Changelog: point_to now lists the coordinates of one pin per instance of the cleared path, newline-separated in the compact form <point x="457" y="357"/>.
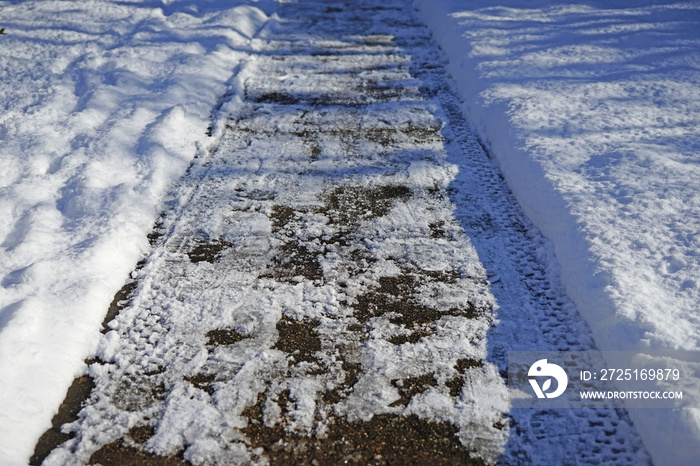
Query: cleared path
<point x="340" y="280"/>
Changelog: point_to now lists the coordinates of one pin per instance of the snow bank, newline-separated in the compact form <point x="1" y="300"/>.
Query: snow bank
<point x="593" y="112"/>
<point x="104" y="104"/>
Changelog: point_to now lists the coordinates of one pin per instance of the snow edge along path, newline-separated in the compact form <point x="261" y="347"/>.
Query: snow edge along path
<point x="629" y="304"/>
<point x="117" y="121"/>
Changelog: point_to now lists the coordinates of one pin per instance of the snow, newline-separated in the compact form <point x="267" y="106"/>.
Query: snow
<point x="327" y="210"/>
<point x="104" y="105"/>
<point x="592" y="111"/>
<point x="262" y="164"/>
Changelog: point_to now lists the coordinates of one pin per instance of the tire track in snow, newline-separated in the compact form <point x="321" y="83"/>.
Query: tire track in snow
<point x="317" y="293"/>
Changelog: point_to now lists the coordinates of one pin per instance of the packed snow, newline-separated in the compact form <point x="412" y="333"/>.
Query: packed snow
<point x="347" y="253"/>
<point x="104" y="105"/>
<point x="593" y="113"/>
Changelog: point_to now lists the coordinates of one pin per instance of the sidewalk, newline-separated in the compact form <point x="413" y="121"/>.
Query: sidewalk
<point x="339" y="279"/>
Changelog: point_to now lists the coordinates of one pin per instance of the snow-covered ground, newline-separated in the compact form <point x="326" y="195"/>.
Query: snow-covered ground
<point x="339" y="278"/>
<point x="592" y="110"/>
<point x="104" y="104"/>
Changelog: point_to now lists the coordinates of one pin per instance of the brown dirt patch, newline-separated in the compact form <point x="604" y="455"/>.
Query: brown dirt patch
<point x="222" y="337"/>
<point x="461" y="366"/>
<point x="412" y="386"/>
<point x="141" y="434"/>
<point x="208" y="251"/>
<point x="386" y="439"/>
<point x="280" y="217"/>
<point x="118" y="453"/>
<point x="349" y="205"/>
<point x="394" y="295"/>
<point x="352" y="375"/>
<point x="413" y="337"/>
<point x="437" y="230"/>
<point x="295" y="260"/>
<point x="298" y="338"/>
<point x="117" y="304"/>
<point x="203" y="382"/>
<point x="77" y="394"/>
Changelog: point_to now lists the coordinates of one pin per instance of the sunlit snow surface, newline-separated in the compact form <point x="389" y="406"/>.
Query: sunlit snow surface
<point x="345" y="253"/>
<point x="593" y="111"/>
<point x="590" y="110"/>
<point x="103" y="105"/>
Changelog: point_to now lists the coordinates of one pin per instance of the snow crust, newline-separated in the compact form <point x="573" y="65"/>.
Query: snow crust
<point x="104" y="105"/>
<point x="261" y="168"/>
<point x="590" y="108"/>
<point x="593" y="112"/>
